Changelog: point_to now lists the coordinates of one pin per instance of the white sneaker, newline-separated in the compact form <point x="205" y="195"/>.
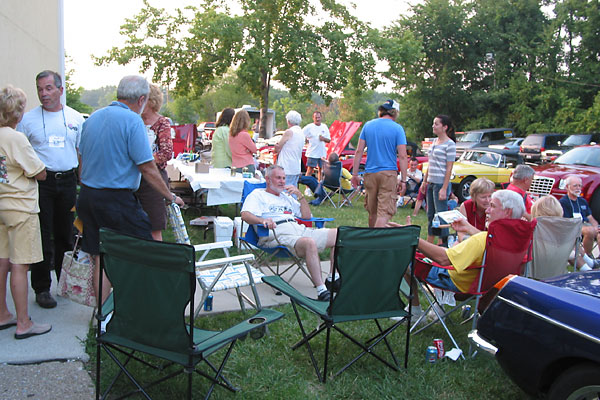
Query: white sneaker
<point x="308" y="192"/>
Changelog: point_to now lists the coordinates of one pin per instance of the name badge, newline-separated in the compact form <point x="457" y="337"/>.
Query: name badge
<point x="577" y="215"/>
<point x="56" y="141"/>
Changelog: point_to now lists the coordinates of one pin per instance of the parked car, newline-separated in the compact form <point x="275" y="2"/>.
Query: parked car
<point x="583" y="161"/>
<point x="535" y="144"/>
<point x="207" y="129"/>
<point x="579" y="139"/>
<point x="480" y="162"/>
<point x="412" y="150"/>
<point x="545" y="335"/>
<point x="481" y="137"/>
<point x="511" y="146"/>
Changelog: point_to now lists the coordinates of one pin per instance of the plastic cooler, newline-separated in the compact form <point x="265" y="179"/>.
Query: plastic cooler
<point x="223" y="228"/>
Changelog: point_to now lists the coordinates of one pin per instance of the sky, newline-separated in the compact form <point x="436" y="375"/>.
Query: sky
<point x="92" y="28"/>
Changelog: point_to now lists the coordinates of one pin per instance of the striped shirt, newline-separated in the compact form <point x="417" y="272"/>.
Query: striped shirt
<point x="439" y="155"/>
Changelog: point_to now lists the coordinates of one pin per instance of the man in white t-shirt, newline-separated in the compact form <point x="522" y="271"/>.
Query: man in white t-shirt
<point x="317" y="135"/>
<point x="54" y="131"/>
<point x="276" y="209"/>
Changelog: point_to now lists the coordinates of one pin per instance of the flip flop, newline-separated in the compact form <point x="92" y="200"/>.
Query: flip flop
<point x="11" y="322"/>
<point x="36" y="329"/>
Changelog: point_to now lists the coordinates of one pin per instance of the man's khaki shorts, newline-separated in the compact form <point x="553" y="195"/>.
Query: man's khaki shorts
<point x="289" y="233"/>
<point x="381" y="193"/>
<point x="20" y="237"/>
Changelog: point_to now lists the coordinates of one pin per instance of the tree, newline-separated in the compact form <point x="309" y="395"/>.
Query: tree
<point x="73" y="95"/>
<point x="268" y="40"/>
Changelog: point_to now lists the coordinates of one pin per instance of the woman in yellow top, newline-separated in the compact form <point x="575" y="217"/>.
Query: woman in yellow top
<point x="20" y="236"/>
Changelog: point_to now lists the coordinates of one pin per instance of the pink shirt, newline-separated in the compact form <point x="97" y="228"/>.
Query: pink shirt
<point x="242" y="147"/>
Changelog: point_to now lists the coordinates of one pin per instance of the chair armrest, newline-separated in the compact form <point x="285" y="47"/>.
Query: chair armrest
<point x="318" y="222"/>
<point x="215" y="245"/>
<point x="226" y="260"/>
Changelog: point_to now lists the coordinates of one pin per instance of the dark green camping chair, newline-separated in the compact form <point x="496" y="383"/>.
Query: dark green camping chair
<point x="153" y="285"/>
<point x="371" y="264"/>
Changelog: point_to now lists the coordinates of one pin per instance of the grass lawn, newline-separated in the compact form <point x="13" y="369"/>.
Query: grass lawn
<point x="268" y="369"/>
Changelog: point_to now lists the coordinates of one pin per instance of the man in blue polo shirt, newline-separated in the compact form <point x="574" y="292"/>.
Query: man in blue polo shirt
<point x="575" y="206"/>
<point x="385" y="138"/>
<point x="115" y="153"/>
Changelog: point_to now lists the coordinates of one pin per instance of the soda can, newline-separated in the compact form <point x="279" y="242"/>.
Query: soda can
<point x="432" y="354"/>
<point x="439" y="345"/>
<point x="208" y="303"/>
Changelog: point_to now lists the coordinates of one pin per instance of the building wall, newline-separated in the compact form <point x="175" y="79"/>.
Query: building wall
<point x="30" y="42"/>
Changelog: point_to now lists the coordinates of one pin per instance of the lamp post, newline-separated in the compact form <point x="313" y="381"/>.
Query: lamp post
<point x="489" y="57"/>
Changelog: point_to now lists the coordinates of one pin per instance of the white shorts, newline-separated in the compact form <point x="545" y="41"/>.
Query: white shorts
<point x="288" y="234"/>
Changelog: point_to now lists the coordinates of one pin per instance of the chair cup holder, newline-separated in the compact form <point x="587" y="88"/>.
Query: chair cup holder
<point x="260" y="331"/>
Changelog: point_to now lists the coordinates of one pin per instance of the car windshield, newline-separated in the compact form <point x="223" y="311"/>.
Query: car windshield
<point x="577" y="140"/>
<point x="482" y="157"/>
<point x="581" y="156"/>
<point x="470" y="137"/>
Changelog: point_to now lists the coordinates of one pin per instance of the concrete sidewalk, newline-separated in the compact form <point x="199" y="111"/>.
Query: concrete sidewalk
<point x="51" y="366"/>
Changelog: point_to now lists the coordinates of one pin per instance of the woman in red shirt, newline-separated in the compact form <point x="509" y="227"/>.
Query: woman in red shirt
<point x="474" y="209"/>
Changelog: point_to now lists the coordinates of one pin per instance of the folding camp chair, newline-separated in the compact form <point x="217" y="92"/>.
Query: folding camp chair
<point x="371" y="264"/>
<point x="553" y="240"/>
<point x="332" y="185"/>
<point x="507" y="247"/>
<point x="221" y="273"/>
<point x="264" y="255"/>
<point x="153" y="284"/>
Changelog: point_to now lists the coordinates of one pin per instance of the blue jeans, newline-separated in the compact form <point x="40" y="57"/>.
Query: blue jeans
<point x="441" y="278"/>
<point x="435" y="205"/>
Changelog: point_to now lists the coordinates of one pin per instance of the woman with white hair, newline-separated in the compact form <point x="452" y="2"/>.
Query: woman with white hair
<point x="20" y="235"/>
<point x="289" y="149"/>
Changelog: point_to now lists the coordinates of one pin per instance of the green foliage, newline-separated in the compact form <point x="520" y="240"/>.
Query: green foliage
<point x="101" y="97"/>
<point x="272" y="39"/>
<point x="73" y="96"/>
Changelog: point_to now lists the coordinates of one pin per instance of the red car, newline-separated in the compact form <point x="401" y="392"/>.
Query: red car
<point x="583" y="161"/>
<point x="412" y="150"/>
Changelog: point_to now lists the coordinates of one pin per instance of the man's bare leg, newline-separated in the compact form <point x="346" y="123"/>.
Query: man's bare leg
<point x="307" y="249"/>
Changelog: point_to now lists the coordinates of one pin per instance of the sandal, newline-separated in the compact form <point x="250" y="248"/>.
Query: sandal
<point x="36" y="329"/>
<point x="9" y="323"/>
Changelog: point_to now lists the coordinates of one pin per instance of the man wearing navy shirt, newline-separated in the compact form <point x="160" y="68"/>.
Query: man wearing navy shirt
<point x="575" y="206"/>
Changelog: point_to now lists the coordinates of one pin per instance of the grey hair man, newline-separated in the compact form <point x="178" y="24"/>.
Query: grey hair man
<point x="575" y="206"/>
<point x="54" y="131"/>
<point x="115" y="153"/>
<point x="289" y="149"/>
<point x="520" y="182"/>
<point x="505" y="204"/>
<point x="275" y="208"/>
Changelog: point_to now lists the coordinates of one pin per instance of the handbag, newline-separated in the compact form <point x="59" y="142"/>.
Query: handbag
<point x="76" y="277"/>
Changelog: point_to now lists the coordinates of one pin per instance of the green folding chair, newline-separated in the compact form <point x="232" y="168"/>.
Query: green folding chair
<point x="371" y="264"/>
<point x="153" y="285"/>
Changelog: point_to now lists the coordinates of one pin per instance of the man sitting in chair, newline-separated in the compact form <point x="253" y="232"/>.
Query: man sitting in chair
<point x="276" y="209"/>
<point x="505" y="204"/>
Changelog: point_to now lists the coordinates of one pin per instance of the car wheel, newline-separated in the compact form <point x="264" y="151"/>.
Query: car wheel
<point x="578" y="382"/>
<point x="463" y="189"/>
<point x="595" y="204"/>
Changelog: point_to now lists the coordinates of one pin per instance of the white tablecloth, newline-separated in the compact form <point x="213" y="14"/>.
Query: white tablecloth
<point x="221" y="186"/>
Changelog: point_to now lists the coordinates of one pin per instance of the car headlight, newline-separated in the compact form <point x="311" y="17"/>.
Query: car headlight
<point x="562" y="185"/>
<point x="452" y="176"/>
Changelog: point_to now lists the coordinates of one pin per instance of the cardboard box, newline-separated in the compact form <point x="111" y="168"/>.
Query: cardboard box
<point x="202" y="168"/>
